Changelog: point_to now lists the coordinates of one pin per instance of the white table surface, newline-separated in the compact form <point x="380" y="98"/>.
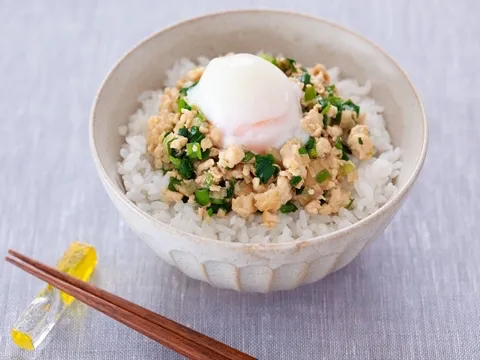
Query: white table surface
<point x="414" y="294"/>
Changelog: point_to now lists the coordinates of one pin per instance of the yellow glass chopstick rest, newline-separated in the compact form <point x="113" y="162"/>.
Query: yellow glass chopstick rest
<point x="46" y="308"/>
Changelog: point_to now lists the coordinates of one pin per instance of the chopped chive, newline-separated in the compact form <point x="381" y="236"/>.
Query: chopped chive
<point x="349" y="105"/>
<point x="323" y="102"/>
<point x="194" y="151"/>
<point x="202" y="197"/>
<point x="346" y="168"/>
<point x="344" y="148"/>
<point x="288" y="207"/>
<point x="312" y="153"/>
<point x="176" y="162"/>
<point x="310" y="144"/>
<point x="182" y="104"/>
<point x="330" y="89"/>
<point x="186" y="168"/>
<point x="216" y="201"/>
<point x="184" y="132"/>
<point x="230" y="189"/>
<point x="269" y="58"/>
<point x="195" y="135"/>
<point x="299" y="191"/>
<point x="264" y="168"/>
<point x="302" y="151"/>
<point x="184" y="90"/>
<point x="322" y="176"/>
<point x="210" y="212"/>
<point x="248" y="156"/>
<point x="360" y="141"/>
<point x="310" y="93"/>
<point x="326" y="109"/>
<point x="295" y="180"/>
<point x="325" y="121"/>
<point x="208" y="179"/>
<point x="305" y="78"/>
<point x="172" y="182"/>
<point x="349" y="206"/>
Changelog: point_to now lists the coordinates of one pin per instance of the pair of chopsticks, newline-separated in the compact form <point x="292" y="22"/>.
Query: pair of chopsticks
<point x="175" y="336"/>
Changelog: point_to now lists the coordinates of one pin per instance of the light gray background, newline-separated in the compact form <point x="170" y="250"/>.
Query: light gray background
<point x="414" y="294"/>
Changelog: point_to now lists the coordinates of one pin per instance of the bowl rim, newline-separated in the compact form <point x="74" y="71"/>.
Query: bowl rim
<point x="376" y="216"/>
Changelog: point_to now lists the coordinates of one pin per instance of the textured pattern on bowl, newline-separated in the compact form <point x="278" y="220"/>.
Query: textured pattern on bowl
<point x="256" y="267"/>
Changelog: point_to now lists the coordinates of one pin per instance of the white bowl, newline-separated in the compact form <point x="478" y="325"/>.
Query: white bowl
<point x="256" y="267"/>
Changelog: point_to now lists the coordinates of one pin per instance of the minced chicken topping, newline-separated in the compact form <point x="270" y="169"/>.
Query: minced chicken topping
<point x="317" y="175"/>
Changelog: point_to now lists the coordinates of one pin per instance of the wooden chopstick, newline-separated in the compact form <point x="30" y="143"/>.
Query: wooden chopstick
<point x="179" y="338"/>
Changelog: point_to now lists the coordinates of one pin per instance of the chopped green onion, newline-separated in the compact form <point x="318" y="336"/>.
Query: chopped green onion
<point x="208" y="179"/>
<point x="288" y="207"/>
<point x="248" y="156"/>
<point x="295" y="180"/>
<point x="330" y="89"/>
<point x="194" y="151"/>
<point x="269" y="58"/>
<point x="305" y="78"/>
<point x="349" y="105"/>
<point x="325" y="121"/>
<point x="216" y="201"/>
<point x="344" y="148"/>
<point x="184" y="90"/>
<point x="313" y="153"/>
<point x="291" y="61"/>
<point x="310" y="144"/>
<point x="196" y="135"/>
<point x="210" y="212"/>
<point x="349" y="205"/>
<point x="186" y="168"/>
<point x="176" y="162"/>
<point x="310" y="93"/>
<point x="346" y="168"/>
<point x="326" y="109"/>
<point x="322" y="176"/>
<point x="299" y="191"/>
<point x="360" y="141"/>
<point x="302" y="151"/>
<point x="182" y="104"/>
<point x="184" y="132"/>
<point x="230" y="189"/>
<point x="323" y="102"/>
<point x="264" y="168"/>
<point x="202" y="197"/>
<point x="172" y="182"/>
<point x="200" y="115"/>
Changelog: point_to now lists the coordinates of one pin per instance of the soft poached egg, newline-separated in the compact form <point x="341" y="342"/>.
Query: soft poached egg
<point x="250" y="100"/>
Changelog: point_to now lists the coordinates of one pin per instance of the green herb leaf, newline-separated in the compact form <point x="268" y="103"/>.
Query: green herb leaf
<point x="202" y="197"/>
<point x="194" y="151"/>
<point x="295" y="180"/>
<point x="210" y="212"/>
<point x="288" y="207"/>
<point x="184" y="90"/>
<point x="305" y="78"/>
<point x="172" y="182"/>
<point x="248" y="156"/>
<point x="264" y="168"/>
<point x="360" y="141"/>
<point x="299" y="191"/>
<point x="322" y="176"/>
<point x="186" y="169"/>
<point x="310" y="93"/>
<point x="182" y="104"/>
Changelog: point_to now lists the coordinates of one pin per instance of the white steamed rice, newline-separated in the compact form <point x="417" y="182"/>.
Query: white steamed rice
<point x="144" y="186"/>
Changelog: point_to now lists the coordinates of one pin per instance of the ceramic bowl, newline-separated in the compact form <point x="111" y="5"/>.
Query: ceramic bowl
<point x="256" y="267"/>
